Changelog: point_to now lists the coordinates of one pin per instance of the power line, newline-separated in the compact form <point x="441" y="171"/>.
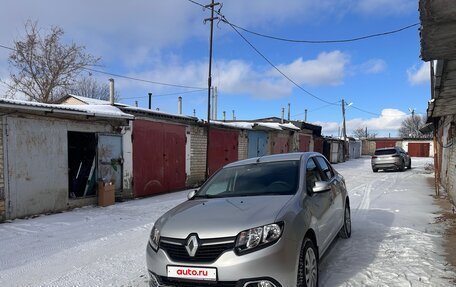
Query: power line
<point x="322" y="41"/>
<point x="367" y="112"/>
<point x="126" y="77"/>
<point x="141" y="80"/>
<point x="9" y="48"/>
<point x="270" y="63"/>
<point x="164" y="95"/>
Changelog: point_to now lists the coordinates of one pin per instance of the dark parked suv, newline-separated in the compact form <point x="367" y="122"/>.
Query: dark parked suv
<point x="390" y="158"/>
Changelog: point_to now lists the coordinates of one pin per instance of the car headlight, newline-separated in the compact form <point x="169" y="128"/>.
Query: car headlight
<point x="154" y="238"/>
<point x="258" y="237"/>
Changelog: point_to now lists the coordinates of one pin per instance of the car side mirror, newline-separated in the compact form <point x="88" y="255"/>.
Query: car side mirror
<point x="321" y="186"/>
<point x="191" y="194"/>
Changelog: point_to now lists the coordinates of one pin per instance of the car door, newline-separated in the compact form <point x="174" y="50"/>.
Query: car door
<point x="337" y="204"/>
<point x="319" y="204"/>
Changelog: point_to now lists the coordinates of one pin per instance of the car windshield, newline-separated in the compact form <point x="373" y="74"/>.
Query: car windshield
<point x="268" y="178"/>
<point x="385" y="151"/>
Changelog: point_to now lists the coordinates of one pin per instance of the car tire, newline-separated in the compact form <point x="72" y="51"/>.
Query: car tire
<point x="375" y="169"/>
<point x="308" y="265"/>
<point x="409" y="166"/>
<point x="345" y="231"/>
<point x="402" y="167"/>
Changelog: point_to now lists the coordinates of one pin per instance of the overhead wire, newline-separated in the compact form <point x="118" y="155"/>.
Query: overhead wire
<point x="324" y="41"/>
<point x="164" y="95"/>
<point x="274" y="66"/>
<point x="128" y="77"/>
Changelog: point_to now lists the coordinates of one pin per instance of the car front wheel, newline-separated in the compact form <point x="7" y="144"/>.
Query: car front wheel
<point x="308" y="265"/>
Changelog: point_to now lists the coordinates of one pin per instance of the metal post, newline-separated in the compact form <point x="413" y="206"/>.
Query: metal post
<point x="209" y="85"/>
<point x="345" y="130"/>
<point x="289" y="107"/>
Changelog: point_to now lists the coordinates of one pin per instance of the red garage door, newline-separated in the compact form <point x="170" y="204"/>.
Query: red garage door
<point x="280" y="144"/>
<point x="318" y="145"/>
<point x="158" y="157"/>
<point x="382" y="144"/>
<point x="418" y="149"/>
<point x="223" y="148"/>
<point x="304" y="142"/>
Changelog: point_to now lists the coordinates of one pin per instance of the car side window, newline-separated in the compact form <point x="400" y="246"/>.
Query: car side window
<point x="325" y="168"/>
<point x="312" y="175"/>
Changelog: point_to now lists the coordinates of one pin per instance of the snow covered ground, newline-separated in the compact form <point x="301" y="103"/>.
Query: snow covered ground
<point x="394" y="242"/>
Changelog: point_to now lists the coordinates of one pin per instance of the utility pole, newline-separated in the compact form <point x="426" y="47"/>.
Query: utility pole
<point x="209" y="82"/>
<point x="345" y="130"/>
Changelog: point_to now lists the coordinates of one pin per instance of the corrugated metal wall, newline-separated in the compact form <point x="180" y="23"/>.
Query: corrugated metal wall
<point x="158" y="157"/>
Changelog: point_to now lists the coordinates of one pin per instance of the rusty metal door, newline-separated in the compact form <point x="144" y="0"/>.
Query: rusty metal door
<point x="280" y="144"/>
<point x="418" y="149"/>
<point x="304" y="142"/>
<point x="158" y="157"/>
<point x="223" y="148"/>
<point x="385" y="143"/>
<point x="110" y="159"/>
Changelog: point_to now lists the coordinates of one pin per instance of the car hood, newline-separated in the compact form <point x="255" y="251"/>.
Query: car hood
<point x="220" y="217"/>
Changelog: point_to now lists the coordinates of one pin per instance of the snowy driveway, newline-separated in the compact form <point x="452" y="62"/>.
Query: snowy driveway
<point x="394" y="240"/>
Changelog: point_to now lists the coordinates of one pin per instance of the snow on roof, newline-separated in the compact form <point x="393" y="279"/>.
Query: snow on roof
<point x="239" y="125"/>
<point x="89" y="110"/>
<point x="137" y="109"/>
<point x="90" y="101"/>
<point x="252" y="125"/>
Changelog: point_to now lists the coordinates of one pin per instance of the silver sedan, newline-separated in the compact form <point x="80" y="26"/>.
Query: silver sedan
<point x="259" y="222"/>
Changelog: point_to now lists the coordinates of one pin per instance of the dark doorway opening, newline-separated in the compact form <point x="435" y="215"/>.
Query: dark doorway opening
<point x="81" y="164"/>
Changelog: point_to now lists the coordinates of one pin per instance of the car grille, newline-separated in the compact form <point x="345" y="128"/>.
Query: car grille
<point x="183" y="283"/>
<point x="208" y="251"/>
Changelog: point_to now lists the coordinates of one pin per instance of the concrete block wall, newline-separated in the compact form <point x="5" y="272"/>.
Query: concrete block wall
<point x="198" y="142"/>
<point x="2" y="179"/>
<point x="243" y="143"/>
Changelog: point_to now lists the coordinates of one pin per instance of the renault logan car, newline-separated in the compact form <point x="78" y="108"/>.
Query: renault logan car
<point x="258" y="222"/>
<point x="390" y="158"/>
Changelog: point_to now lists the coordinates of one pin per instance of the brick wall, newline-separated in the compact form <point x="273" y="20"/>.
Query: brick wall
<point x="243" y="145"/>
<point x="2" y="180"/>
<point x="197" y="155"/>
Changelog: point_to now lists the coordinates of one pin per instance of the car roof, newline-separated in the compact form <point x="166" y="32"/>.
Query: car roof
<point x="383" y="148"/>
<point x="275" y="157"/>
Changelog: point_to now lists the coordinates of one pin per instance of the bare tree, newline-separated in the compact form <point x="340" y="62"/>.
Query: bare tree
<point x="410" y="127"/>
<point x="363" y="133"/>
<point x="91" y="88"/>
<point x="43" y="68"/>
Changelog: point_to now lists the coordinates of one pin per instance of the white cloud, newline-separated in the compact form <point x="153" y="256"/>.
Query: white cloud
<point x="373" y="66"/>
<point x="385" y="7"/>
<point x="421" y="75"/>
<point x="326" y="69"/>
<point x="238" y="76"/>
<point x="389" y="120"/>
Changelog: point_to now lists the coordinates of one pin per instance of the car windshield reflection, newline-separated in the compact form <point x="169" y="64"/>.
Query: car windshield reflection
<point x="267" y="178"/>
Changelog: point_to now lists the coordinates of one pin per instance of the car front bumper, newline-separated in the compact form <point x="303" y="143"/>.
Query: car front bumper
<point x="276" y="263"/>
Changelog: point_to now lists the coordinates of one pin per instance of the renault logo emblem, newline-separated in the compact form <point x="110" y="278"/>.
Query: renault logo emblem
<point x="192" y="245"/>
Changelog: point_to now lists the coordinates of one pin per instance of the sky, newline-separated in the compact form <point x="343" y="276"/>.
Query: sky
<point x="381" y="79"/>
